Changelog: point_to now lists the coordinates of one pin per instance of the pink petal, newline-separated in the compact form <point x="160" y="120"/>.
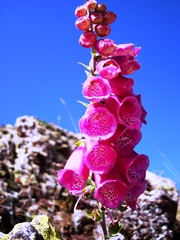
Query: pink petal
<point x="98" y="123"/>
<point x="95" y="89"/>
<point x="126" y="139"/>
<point x="133" y="193"/>
<point x="110" y="190"/>
<point x="101" y="157"/>
<point x="75" y="173"/>
<point x="108" y="68"/>
<point x="121" y="86"/>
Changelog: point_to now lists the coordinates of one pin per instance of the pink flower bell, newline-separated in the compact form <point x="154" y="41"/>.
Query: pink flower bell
<point x="110" y="190"/>
<point x="100" y="157"/>
<point x="96" y="89"/>
<point x="126" y="50"/>
<point x="127" y="64"/>
<point x="75" y="173"/>
<point x="121" y="86"/>
<point x="136" y="172"/>
<point x="128" y="111"/>
<point x="133" y="193"/>
<point x="108" y="68"/>
<point x="98" y="123"/>
<point x="133" y="167"/>
<point x="125" y="139"/>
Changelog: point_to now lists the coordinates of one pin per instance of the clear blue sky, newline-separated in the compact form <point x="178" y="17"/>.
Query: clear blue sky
<point x="39" y="52"/>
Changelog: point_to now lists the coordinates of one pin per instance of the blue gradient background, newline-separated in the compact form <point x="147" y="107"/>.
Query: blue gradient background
<point x="39" y="52"/>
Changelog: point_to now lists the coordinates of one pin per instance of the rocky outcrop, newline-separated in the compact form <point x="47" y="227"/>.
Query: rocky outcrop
<point x="40" y="228"/>
<point x="31" y="153"/>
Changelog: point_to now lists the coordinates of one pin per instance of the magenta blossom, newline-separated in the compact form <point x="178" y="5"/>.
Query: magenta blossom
<point x="96" y="89"/>
<point x="121" y="86"/>
<point x="128" y="64"/>
<point x="108" y="68"/>
<point x="105" y="47"/>
<point x="110" y="190"/>
<point x="133" y="167"/>
<point x="98" y="123"/>
<point x="125" y="139"/>
<point x="143" y="111"/>
<point x="75" y="173"/>
<point x="133" y="193"/>
<point x="128" y="111"/>
<point x="126" y="49"/>
<point x="100" y="157"/>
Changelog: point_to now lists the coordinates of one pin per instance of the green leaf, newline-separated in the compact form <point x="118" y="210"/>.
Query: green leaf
<point x="87" y="73"/>
<point x="84" y="65"/>
<point x="83" y="103"/>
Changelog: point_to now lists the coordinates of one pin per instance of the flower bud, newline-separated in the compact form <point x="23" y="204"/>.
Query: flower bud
<point x="91" y="4"/>
<point x="105" y="47"/>
<point x="109" y="17"/>
<point x="100" y="7"/>
<point x="87" y="39"/>
<point x="83" y="23"/>
<point x="102" y="30"/>
<point x="96" y="17"/>
<point x="81" y="11"/>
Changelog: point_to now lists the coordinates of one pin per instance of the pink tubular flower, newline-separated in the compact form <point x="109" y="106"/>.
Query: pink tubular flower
<point x="100" y="157"/>
<point x="87" y="39"/>
<point x="126" y="139"/>
<point x="127" y="111"/>
<point x="75" y="173"/>
<point x="136" y="172"/>
<point x="144" y="113"/>
<point x="134" y="167"/>
<point x="98" y="123"/>
<point x="127" y="64"/>
<point x="105" y="47"/>
<point x="133" y="193"/>
<point x="110" y="190"/>
<point x="108" y="68"/>
<point x="121" y="86"/>
<point x="126" y="50"/>
<point x="96" y="89"/>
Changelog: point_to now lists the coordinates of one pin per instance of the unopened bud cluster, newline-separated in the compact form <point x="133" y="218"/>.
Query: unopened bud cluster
<point x="94" y="20"/>
<point x="112" y="122"/>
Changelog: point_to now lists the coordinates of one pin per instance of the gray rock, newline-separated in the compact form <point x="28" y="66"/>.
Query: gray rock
<point x="31" y="153"/>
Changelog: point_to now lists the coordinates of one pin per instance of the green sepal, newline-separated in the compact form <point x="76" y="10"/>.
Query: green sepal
<point x="84" y="65"/>
<point x="83" y="103"/>
<point x="115" y="228"/>
<point x="95" y="215"/>
<point x="78" y="143"/>
<point x="122" y="208"/>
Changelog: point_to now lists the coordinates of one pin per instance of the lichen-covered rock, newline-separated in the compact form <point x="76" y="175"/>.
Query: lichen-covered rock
<point x="40" y="228"/>
<point x="31" y="153"/>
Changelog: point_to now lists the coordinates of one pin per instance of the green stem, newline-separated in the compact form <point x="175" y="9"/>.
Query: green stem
<point x="103" y="225"/>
